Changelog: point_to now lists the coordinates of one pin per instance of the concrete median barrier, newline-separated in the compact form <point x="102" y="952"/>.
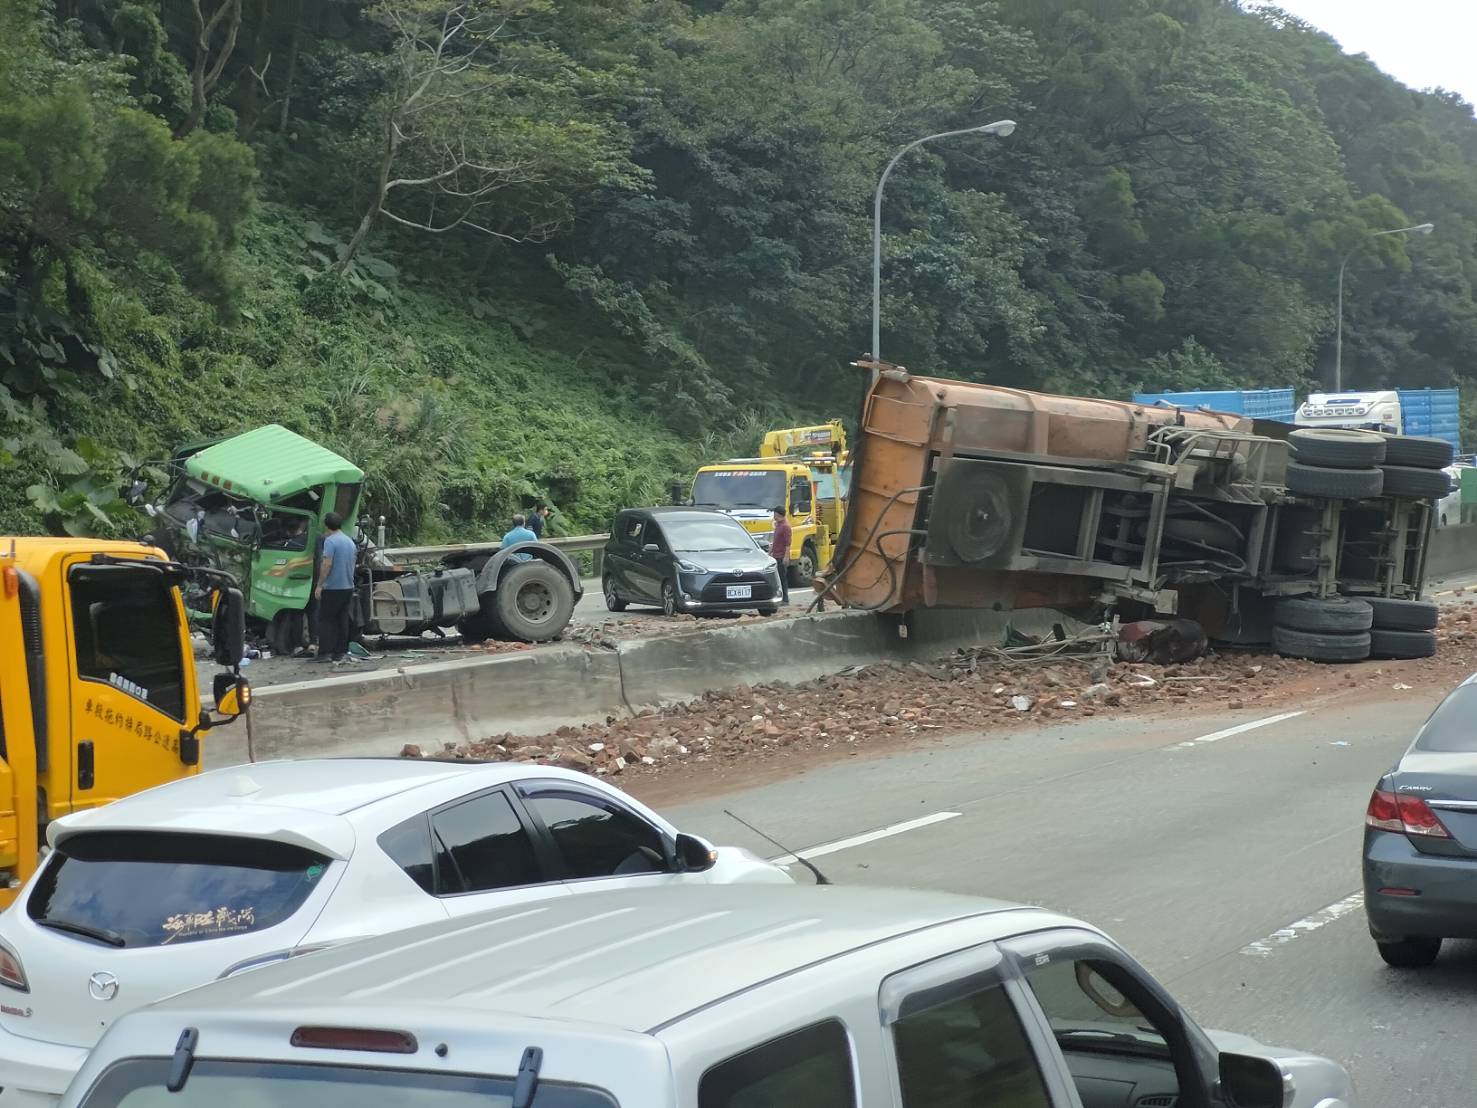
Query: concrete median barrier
<point x="537" y="691"/>
<point x="1453" y="552"/>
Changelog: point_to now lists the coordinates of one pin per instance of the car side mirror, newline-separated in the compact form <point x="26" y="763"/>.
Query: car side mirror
<point x="1250" y="1082"/>
<point x="228" y="628"/>
<point x="694" y="855"/>
<point x="651" y="548"/>
<point x="232" y="694"/>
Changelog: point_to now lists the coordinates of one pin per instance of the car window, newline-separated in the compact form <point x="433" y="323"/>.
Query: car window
<point x="153" y="889"/>
<point x="127" y="635"/>
<point x="631" y="528"/>
<point x="706" y="535"/>
<point x="654" y="534"/>
<point x="140" y="1083"/>
<point x="805" y="1069"/>
<point x="966" y="1050"/>
<point x="596" y="837"/>
<point x="408" y="845"/>
<point x="1449" y="730"/>
<point x="481" y="845"/>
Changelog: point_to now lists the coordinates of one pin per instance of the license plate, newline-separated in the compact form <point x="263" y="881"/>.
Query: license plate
<point x="740" y="592"/>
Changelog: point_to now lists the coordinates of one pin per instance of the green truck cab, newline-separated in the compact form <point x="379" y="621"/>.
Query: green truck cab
<point x="254" y="505"/>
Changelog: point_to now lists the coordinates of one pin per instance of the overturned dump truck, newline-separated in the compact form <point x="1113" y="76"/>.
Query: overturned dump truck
<point x="1312" y="541"/>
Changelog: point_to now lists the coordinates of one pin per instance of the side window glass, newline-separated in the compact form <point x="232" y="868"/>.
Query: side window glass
<point x="799" y="496"/>
<point x="480" y="846"/>
<point x="966" y="1050"/>
<point x="810" y="1068"/>
<point x="596" y="837"/>
<point x="654" y="535"/>
<point x="127" y="635"/>
<point x="633" y="530"/>
<point x="408" y="845"/>
<point x="1092" y="1019"/>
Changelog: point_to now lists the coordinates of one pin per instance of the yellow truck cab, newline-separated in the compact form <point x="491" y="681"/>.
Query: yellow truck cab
<point x="805" y="469"/>
<point x="99" y="696"/>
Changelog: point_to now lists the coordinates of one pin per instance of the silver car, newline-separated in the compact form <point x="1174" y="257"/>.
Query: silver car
<point x="796" y="997"/>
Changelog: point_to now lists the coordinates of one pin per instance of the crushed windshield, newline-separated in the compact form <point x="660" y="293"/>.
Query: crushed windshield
<point x="697" y="536"/>
<point x="739" y="488"/>
<point x="139" y="1083"/>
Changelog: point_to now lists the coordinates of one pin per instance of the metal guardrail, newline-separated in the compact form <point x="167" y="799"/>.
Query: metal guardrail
<point x="571" y="544"/>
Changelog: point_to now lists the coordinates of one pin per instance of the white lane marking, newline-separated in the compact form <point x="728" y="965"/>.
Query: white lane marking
<point x="1239" y="729"/>
<point x="1322" y="918"/>
<point x="868" y="837"/>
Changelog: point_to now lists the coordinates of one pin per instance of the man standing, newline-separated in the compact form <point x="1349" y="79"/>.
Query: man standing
<point x="538" y="519"/>
<point x="779" y="550"/>
<point x="519" y="533"/>
<point x="335" y="591"/>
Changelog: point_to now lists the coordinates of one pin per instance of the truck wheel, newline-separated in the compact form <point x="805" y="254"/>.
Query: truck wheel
<point x="285" y="632"/>
<point x="1320" y="648"/>
<point x="612" y="600"/>
<point x="534" y="602"/>
<point x="804" y="568"/>
<point x="482" y="625"/>
<point x="1413" y="953"/>
<point x="1337" y="447"/>
<point x="1404" y="615"/>
<point x="1413" y="481"/>
<point x="1422" y="453"/>
<point x="1337" y="615"/>
<point x="1402" y="644"/>
<point x="1334" y="484"/>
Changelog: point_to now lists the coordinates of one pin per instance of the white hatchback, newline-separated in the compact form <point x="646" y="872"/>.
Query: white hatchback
<point x="216" y="874"/>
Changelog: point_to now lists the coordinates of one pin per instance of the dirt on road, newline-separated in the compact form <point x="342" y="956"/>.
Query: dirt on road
<point x="745" y="735"/>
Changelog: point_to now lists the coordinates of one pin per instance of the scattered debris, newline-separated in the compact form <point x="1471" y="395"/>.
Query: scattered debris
<point x="1167" y="642"/>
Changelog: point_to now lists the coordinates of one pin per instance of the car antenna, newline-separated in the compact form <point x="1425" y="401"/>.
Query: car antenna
<point x="820" y="878"/>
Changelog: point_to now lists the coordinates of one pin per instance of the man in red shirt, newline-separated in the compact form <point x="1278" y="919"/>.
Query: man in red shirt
<point x="779" y="550"/>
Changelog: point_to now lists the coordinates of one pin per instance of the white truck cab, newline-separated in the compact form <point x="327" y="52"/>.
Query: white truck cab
<point x="702" y="998"/>
<point x="1369" y="411"/>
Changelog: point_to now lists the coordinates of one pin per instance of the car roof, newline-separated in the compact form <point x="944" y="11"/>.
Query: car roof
<point x="305" y="801"/>
<point x="633" y="960"/>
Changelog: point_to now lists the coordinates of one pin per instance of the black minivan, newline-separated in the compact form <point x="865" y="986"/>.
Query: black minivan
<point x="687" y="560"/>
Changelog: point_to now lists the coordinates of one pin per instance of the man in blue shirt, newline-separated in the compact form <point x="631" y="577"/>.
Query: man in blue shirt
<point x="519" y="533"/>
<point x="335" y="592"/>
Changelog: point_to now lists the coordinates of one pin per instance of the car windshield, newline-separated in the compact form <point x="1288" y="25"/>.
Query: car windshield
<point x="739" y="488"/>
<point x="697" y="536"/>
<point x="139" y="1083"/>
<point x="1449" y="730"/>
<point x="152" y="889"/>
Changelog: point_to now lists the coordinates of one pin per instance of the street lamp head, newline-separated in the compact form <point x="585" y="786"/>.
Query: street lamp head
<point x="1423" y="229"/>
<point x="1003" y="127"/>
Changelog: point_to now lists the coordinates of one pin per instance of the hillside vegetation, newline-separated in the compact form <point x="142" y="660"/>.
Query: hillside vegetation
<point x="501" y="249"/>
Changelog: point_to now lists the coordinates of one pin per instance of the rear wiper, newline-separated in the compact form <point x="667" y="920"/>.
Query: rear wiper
<point x="99" y="934"/>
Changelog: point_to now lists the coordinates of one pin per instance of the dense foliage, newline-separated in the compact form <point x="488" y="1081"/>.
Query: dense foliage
<point x="500" y="249"/>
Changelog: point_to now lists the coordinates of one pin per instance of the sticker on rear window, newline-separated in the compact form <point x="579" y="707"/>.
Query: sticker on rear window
<point x="222" y="921"/>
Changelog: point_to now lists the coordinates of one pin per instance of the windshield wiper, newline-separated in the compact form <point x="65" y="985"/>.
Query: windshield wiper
<point x="99" y="934"/>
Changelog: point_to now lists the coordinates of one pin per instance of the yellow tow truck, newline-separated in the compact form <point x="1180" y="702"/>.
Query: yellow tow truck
<point x="98" y="687"/>
<point x="804" y="469"/>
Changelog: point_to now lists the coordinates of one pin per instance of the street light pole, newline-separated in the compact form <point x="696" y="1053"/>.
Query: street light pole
<point x="1338" y="342"/>
<point x="1002" y="127"/>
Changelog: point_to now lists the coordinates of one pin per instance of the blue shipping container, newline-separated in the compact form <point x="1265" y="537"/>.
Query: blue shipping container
<point x="1436" y="413"/>
<point x="1279" y="404"/>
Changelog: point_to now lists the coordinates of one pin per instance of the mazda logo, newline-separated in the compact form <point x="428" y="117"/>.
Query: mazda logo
<point x="102" y="986"/>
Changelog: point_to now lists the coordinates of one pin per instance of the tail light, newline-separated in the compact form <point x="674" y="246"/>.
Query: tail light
<point x="1391" y="811"/>
<point x="11" y="973"/>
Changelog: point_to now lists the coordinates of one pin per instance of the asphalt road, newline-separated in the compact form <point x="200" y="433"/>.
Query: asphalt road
<point x="1225" y="862"/>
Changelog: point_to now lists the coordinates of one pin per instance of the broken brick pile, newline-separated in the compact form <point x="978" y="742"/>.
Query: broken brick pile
<point x="962" y="693"/>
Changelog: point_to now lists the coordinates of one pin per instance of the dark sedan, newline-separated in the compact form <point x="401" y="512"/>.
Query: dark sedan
<point x="1420" y="839"/>
<point x="686" y="560"/>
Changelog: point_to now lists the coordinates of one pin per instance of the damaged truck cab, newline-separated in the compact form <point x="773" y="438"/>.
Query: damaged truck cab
<point x="967" y="495"/>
